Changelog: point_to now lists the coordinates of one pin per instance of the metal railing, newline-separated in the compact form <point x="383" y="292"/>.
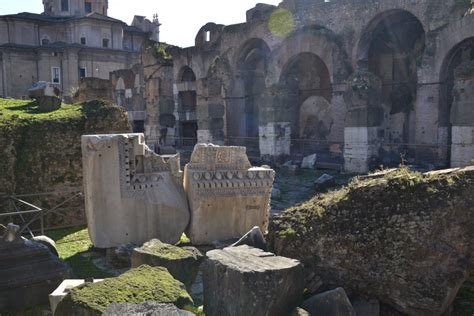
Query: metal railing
<point x="36" y="214"/>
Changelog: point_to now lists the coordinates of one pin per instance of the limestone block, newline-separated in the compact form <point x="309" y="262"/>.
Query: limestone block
<point x="47" y="103"/>
<point x="227" y="197"/>
<point x="182" y="263"/>
<point x="275" y="139"/>
<point x="360" y="145"/>
<point x="462" y="148"/>
<point x="28" y="271"/>
<point x="333" y="302"/>
<point x="247" y="281"/>
<point x="309" y="162"/>
<point x="43" y="89"/>
<point x="63" y="289"/>
<point x="147" y="308"/>
<point x="131" y="194"/>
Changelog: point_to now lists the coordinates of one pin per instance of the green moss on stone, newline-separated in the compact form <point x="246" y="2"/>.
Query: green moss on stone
<point x="135" y="286"/>
<point x="166" y="251"/>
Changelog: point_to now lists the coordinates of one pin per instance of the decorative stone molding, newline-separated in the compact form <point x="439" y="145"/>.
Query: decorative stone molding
<point x="131" y="194"/>
<point x="226" y="195"/>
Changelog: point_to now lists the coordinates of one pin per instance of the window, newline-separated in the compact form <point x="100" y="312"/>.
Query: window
<point x="55" y="75"/>
<point x="65" y="5"/>
<point x="105" y="42"/>
<point x="88" y="7"/>
<point x="45" y="41"/>
<point x="82" y="73"/>
<point x="207" y="36"/>
<point x="83" y="41"/>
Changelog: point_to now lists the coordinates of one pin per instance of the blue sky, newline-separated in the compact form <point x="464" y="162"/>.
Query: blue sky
<point x="181" y="19"/>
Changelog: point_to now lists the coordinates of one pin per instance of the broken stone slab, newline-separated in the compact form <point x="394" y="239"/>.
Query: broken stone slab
<point x="334" y="303"/>
<point x="182" y="263"/>
<point x="324" y="182"/>
<point x="227" y="197"/>
<point x="120" y="257"/>
<point x="254" y="238"/>
<point x="48" y="104"/>
<point x="43" y="89"/>
<point x="131" y="194"/>
<point x="135" y="286"/>
<point x="29" y="271"/>
<point x="248" y="281"/>
<point x="145" y="309"/>
<point x="309" y="162"/>
<point x="63" y="289"/>
<point x="392" y="219"/>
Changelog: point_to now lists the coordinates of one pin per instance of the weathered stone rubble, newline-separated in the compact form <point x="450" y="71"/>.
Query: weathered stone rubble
<point x="182" y="263"/>
<point x="145" y="309"/>
<point x="135" y="286"/>
<point x="334" y="303"/>
<point x="28" y="271"/>
<point x="247" y="281"/>
<point x="227" y="197"/>
<point x="405" y="239"/>
<point x="47" y="96"/>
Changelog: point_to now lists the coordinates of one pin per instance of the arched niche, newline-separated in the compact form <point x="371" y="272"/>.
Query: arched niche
<point x="460" y="54"/>
<point x="252" y="66"/>
<point x="187" y="105"/>
<point x="391" y="47"/>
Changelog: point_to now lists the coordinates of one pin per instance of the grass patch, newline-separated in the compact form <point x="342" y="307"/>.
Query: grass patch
<point x="75" y="247"/>
<point x="26" y="112"/>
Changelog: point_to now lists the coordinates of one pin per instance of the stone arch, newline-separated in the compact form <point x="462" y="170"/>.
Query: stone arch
<point x="187" y="105"/>
<point x="316" y="40"/>
<point x="186" y="74"/>
<point x="392" y="47"/>
<point x="461" y="53"/>
<point x="306" y="81"/>
<point x="370" y="31"/>
<point x="252" y="64"/>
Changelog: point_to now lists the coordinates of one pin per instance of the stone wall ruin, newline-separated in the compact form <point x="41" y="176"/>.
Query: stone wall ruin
<point x="283" y="89"/>
<point x="133" y="195"/>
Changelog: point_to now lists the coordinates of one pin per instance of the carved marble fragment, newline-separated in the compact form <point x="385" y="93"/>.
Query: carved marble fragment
<point x="132" y="195"/>
<point x="227" y="196"/>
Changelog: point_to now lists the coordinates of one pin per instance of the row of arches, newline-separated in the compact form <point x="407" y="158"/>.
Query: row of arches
<point x="392" y="47"/>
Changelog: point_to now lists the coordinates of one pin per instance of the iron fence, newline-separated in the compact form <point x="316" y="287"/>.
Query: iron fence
<point x="39" y="212"/>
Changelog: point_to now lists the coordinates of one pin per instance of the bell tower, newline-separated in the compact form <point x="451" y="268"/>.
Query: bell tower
<point x="75" y="7"/>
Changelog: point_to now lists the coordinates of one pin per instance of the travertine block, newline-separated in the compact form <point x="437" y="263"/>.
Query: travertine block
<point x="227" y="197"/>
<point x="248" y="281"/>
<point x="132" y="195"/>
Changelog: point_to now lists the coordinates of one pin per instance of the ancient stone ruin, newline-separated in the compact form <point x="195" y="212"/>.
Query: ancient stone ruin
<point x="131" y="194"/>
<point x="227" y="197"/>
